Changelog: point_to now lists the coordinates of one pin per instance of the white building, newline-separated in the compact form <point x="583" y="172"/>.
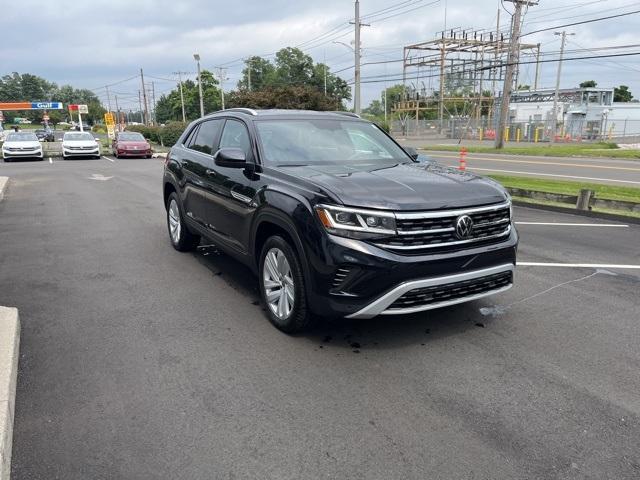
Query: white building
<point x="583" y="113"/>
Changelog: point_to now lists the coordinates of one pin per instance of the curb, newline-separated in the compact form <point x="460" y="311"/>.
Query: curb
<point x="582" y="213"/>
<point x="3" y="186"/>
<point x="9" y="347"/>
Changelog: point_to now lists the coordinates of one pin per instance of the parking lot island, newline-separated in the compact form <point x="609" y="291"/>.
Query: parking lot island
<point x="9" y="346"/>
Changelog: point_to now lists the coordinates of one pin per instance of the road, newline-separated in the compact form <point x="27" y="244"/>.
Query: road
<point x="610" y="171"/>
<point x="141" y="362"/>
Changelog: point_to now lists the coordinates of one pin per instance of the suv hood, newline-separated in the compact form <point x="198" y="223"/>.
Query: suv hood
<point x="401" y="187"/>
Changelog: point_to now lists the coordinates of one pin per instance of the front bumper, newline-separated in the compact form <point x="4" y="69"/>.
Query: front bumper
<point x="356" y="279"/>
<point x="22" y="154"/>
<point x="133" y="153"/>
<point x="80" y="153"/>
<point x="452" y="290"/>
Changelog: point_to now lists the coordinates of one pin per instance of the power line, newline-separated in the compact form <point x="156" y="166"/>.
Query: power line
<point x="581" y="23"/>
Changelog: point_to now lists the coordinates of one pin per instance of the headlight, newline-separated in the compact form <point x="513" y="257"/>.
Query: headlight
<point x="345" y="221"/>
<point x="509" y="199"/>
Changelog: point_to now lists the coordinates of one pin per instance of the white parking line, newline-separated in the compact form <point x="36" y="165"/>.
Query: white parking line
<point x="535" y="174"/>
<point x="577" y="265"/>
<point x="613" y="225"/>
<point x="51" y="160"/>
<point x="110" y="159"/>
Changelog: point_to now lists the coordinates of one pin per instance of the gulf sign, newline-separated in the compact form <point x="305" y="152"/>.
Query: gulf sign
<point x="31" y="106"/>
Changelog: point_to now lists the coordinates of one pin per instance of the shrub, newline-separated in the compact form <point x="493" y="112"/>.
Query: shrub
<point x="166" y="135"/>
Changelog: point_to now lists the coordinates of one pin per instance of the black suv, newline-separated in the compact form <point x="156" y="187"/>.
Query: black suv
<point x="335" y="217"/>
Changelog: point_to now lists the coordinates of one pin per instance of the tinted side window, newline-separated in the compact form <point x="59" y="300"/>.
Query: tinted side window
<point x="235" y="135"/>
<point x="206" y="136"/>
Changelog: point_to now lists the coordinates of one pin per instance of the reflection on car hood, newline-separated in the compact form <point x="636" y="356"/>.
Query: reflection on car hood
<point x="79" y="143"/>
<point x="131" y="143"/>
<point x="401" y="187"/>
<point x="23" y="144"/>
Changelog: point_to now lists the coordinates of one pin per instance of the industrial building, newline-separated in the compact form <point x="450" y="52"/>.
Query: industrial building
<point x="582" y="114"/>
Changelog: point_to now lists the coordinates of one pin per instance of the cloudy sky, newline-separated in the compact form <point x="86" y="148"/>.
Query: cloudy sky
<point x="89" y="44"/>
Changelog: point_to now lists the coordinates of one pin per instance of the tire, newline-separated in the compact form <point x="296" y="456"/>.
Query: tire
<point x="281" y="268"/>
<point x="6" y="160"/>
<point x="181" y="238"/>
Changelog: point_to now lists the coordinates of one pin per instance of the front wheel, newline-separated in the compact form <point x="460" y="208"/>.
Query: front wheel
<point x="282" y="286"/>
<point x="181" y="238"/>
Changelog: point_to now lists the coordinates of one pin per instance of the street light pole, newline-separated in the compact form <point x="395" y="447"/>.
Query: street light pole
<point x="554" y="120"/>
<point x="356" y="93"/>
<point x="196" y="57"/>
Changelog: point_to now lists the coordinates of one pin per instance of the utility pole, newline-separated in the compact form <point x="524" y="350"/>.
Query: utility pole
<point x="196" y="57"/>
<point x="324" y="67"/>
<point x="153" y="99"/>
<point x="249" y="73"/>
<point x="357" y="52"/>
<point x="537" y="78"/>
<point x="108" y="99"/>
<point x="554" y="120"/>
<point x="512" y="65"/>
<point x="184" y="116"/>
<point x="117" y="114"/>
<point x="144" y="96"/>
<point x="222" y="76"/>
<point x="141" y="111"/>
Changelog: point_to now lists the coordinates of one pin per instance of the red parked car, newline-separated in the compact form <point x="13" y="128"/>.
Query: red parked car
<point x="131" y="144"/>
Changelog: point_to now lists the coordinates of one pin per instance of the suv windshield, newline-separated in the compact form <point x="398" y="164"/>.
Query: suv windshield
<point x="78" y="136"/>
<point x="22" y="137"/>
<point x="131" y="137"/>
<point x="323" y="141"/>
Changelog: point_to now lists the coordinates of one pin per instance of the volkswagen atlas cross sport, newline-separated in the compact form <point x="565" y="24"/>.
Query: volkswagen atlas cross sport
<point x="334" y="217"/>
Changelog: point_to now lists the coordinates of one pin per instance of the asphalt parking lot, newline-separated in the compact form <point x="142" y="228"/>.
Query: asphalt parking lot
<point x="141" y="362"/>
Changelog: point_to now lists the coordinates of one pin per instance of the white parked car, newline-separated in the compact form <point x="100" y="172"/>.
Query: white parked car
<point x="21" y="145"/>
<point x="79" y="144"/>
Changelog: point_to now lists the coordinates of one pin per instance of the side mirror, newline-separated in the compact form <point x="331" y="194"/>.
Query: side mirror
<point x="230" y="157"/>
<point x="412" y="152"/>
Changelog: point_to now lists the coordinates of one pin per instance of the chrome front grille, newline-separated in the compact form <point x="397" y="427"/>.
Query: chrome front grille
<point x="445" y="293"/>
<point x="429" y="232"/>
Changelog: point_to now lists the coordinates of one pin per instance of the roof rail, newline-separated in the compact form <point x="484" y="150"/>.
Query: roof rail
<point x="347" y="114"/>
<point x="250" y="111"/>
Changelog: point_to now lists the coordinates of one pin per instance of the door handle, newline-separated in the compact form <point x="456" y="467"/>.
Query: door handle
<point x="210" y="172"/>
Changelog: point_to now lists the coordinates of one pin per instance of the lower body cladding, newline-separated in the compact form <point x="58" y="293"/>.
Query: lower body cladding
<point x="364" y="281"/>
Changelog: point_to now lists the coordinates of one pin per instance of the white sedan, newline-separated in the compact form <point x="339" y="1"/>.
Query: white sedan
<point x="79" y="144"/>
<point x="21" y="145"/>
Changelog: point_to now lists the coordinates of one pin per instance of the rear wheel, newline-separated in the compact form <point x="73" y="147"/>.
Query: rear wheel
<point x="282" y="286"/>
<point x="181" y="238"/>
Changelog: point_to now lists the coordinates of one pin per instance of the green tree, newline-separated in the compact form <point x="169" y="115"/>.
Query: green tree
<point x="262" y="73"/>
<point x="622" y="94"/>
<point x="305" y="97"/>
<point x="589" y="84"/>
<point x="292" y="67"/>
<point x="169" y="106"/>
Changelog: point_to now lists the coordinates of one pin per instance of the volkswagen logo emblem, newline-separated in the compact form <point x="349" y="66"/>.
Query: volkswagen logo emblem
<point x="464" y="227"/>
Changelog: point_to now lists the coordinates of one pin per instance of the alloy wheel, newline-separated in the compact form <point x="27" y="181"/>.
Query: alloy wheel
<point x="279" y="288"/>
<point x="174" y="221"/>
